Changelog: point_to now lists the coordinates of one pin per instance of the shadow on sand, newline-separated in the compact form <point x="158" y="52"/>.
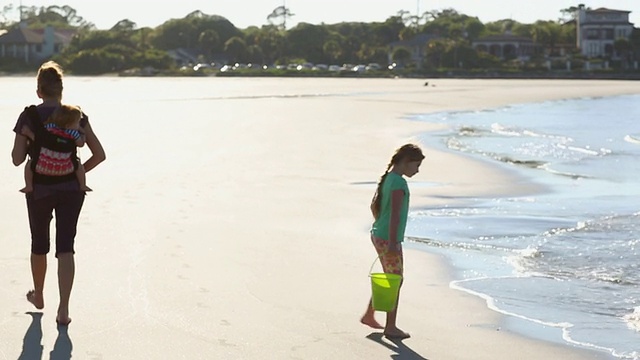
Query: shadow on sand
<point x="32" y="348"/>
<point x="402" y="351"/>
<point x="32" y="343"/>
<point x="63" y="346"/>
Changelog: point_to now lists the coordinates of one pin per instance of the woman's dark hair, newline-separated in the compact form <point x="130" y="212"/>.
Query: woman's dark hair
<point x="50" y="80"/>
<point x="408" y="152"/>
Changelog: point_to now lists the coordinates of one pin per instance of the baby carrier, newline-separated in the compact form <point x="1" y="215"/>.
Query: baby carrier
<point x="53" y="152"/>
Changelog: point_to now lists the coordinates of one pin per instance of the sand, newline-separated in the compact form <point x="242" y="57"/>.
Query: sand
<point x="249" y="239"/>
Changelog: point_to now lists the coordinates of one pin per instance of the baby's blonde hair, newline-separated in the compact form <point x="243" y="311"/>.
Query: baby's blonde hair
<point x="66" y="116"/>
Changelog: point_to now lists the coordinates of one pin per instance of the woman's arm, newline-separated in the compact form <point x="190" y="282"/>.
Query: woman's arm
<point x="397" y="197"/>
<point x="97" y="152"/>
<point x="19" y="152"/>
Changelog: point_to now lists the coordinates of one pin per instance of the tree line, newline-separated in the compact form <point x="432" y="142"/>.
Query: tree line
<point x="214" y="38"/>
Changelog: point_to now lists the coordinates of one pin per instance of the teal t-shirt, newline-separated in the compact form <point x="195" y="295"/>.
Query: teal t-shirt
<point x="380" y="227"/>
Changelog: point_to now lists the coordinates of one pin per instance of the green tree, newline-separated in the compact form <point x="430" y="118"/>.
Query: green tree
<point x="449" y="23"/>
<point x="307" y="41"/>
<point x="124" y="26"/>
<point x="332" y="50"/>
<point x="209" y="42"/>
<point x="236" y="48"/>
<point x="185" y="32"/>
<point x="401" y="56"/>
<point x="547" y="33"/>
<point x="272" y="41"/>
<point x="57" y="16"/>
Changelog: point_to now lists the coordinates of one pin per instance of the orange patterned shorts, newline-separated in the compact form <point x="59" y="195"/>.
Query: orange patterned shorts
<point x="392" y="262"/>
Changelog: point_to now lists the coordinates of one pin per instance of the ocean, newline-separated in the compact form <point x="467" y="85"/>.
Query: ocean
<point x="562" y="264"/>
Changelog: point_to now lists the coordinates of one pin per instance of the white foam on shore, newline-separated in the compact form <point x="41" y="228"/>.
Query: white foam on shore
<point x="632" y="139"/>
<point x="565" y="327"/>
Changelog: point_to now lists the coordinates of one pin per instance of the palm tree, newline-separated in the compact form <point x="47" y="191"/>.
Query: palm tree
<point x="282" y="13"/>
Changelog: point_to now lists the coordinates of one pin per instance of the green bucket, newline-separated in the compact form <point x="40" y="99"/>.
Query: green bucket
<point x="384" y="290"/>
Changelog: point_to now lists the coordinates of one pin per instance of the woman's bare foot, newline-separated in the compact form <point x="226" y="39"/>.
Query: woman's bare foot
<point x="63" y="318"/>
<point x="371" y="322"/>
<point x="396" y="333"/>
<point x="36" y="299"/>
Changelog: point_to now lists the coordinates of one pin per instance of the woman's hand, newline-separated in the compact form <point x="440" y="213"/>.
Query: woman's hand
<point x="97" y="152"/>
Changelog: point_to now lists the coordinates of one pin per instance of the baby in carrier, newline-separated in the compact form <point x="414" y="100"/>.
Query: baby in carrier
<point x="64" y="124"/>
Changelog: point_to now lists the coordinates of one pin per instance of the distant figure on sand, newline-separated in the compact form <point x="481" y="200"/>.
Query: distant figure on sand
<point x="53" y="190"/>
<point x="64" y="123"/>
<point x="390" y="208"/>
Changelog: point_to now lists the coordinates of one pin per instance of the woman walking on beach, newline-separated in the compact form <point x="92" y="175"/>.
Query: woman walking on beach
<point x="59" y="193"/>
<point x="390" y="208"/>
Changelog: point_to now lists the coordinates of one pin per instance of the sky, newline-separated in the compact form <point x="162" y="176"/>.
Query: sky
<point x="245" y="13"/>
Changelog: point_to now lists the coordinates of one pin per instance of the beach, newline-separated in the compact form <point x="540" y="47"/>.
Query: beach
<point x="231" y="218"/>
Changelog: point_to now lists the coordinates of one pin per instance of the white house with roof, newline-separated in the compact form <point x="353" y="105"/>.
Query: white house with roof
<point x="34" y="45"/>
<point x="598" y="29"/>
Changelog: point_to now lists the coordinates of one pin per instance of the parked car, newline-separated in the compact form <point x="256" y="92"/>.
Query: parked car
<point x="201" y="66"/>
<point x="305" y="66"/>
<point x="359" y="68"/>
<point x="335" y="68"/>
<point x="373" y="67"/>
<point x="320" y="67"/>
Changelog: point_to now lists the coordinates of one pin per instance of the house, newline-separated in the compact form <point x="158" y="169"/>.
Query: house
<point x="598" y="29"/>
<point x="507" y="46"/>
<point x="34" y="45"/>
<point x="417" y="46"/>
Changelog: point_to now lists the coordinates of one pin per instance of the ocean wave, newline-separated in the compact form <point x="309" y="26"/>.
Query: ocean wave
<point x="633" y="319"/>
<point x="533" y="164"/>
<point x="561" y="173"/>
<point x="455" y="144"/>
<point x="457" y="245"/>
<point x="471" y="131"/>
<point x="503" y="130"/>
<point x="585" y="150"/>
<point x="634" y="139"/>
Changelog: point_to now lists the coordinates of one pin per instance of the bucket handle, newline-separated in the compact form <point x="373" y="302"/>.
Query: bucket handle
<point x="374" y="263"/>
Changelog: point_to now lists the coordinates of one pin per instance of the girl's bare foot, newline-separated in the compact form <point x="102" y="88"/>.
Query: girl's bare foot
<point x="36" y="299"/>
<point x="396" y="333"/>
<point x="371" y="322"/>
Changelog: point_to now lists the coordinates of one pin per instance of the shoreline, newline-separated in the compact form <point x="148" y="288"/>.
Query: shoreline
<point x="514" y="324"/>
<point x="254" y="242"/>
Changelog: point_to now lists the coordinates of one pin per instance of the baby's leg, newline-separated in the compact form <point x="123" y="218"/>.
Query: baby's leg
<point x="28" y="178"/>
<point x="82" y="178"/>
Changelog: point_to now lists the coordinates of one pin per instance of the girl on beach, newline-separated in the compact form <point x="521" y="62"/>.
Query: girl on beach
<point x="64" y="122"/>
<point x="61" y="194"/>
<point x="390" y="208"/>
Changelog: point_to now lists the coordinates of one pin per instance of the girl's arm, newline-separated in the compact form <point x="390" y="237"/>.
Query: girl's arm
<point x="19" y="152"/>
<point x="397" y="197"/>
<point x="97" y="152"/>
